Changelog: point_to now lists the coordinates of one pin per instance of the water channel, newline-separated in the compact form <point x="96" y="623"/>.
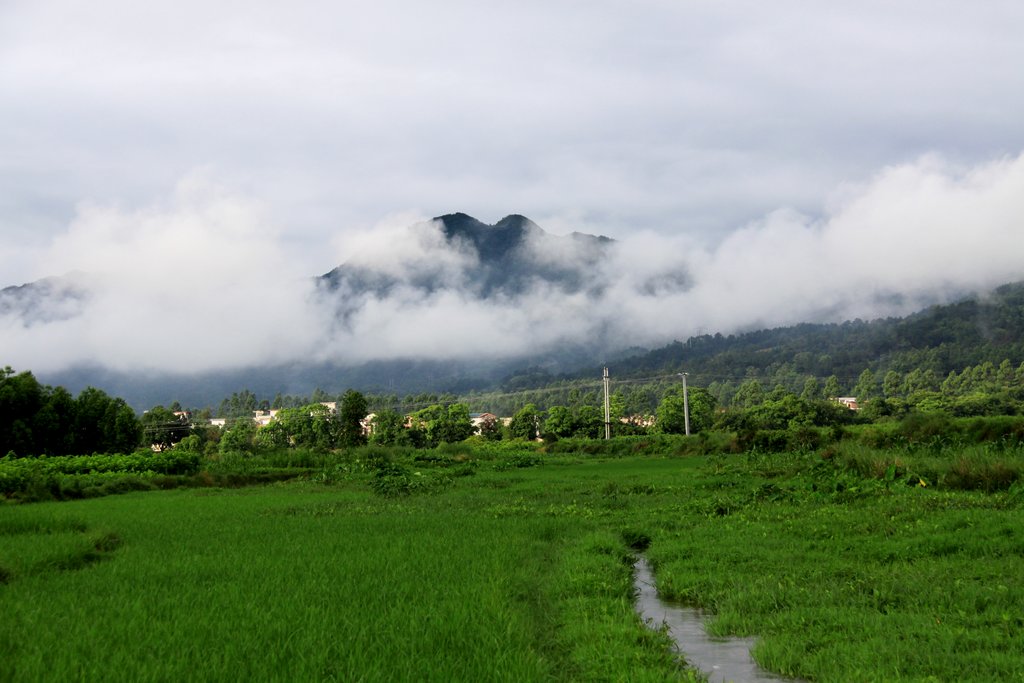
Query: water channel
<point x="721" y="659"/>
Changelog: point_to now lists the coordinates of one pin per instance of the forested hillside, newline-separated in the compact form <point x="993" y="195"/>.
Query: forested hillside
<point x="979" y="339"/>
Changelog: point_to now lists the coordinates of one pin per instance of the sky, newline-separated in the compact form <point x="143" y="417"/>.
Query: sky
<point x="193" y="163"/>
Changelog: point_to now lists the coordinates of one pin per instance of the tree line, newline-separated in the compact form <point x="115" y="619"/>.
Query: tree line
<point x="41" y="420"/>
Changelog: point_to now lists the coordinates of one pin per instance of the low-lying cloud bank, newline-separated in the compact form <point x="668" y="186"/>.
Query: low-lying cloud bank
<point x="207" y="282"/>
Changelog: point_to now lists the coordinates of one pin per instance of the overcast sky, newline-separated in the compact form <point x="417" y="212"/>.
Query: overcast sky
<point x="138" y="133"/>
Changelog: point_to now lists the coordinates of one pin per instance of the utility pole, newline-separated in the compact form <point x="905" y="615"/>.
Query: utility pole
<point x="607" y="409"/>
<point x="686" y="404"/>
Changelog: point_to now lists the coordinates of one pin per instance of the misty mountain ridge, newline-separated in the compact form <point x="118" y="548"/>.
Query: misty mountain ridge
<point x="506" y="259"/>
<point x="47" y="300"/>
<point x="451" y="304"/>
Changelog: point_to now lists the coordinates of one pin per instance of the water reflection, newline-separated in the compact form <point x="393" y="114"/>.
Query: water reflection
<point x="722" y="659"/>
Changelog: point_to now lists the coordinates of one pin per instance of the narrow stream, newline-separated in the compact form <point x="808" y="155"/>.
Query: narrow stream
<point x="721" y="659"/>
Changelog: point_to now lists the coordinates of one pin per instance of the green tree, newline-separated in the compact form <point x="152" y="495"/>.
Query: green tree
<point x="453" y="425"/>
<point x="54" y="424"/>
<point x="525" y="423"/>
<point x="351" y="414"/>
<point x="1005" y="374"/>
<point x="104" y="424"/>
<point x="560" y="422"/>
<point x="162" y="428"/>
<point x="589" y="422"/>
<point x="671" y="411"/>
<point x="865" y="388"/>
<point x="750" y="394"/>
<point x="240" y="437"/>
<point x="21" y="397"/>
<point x="832" y="388"/>
<point x="892" y="384"/>
<point x="811" y="390"/>
<point x="389" y="428"/>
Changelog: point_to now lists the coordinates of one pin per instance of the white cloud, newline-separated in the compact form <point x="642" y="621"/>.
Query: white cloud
<point x="207" y="280"/>
<point x="674" y="117"/>
<point x="201" y="283"/>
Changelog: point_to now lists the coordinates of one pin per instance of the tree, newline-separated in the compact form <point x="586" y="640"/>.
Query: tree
<point x="453" y="425"/>
<point x="351" y="414"/>
<point x="832" y="388"/>
<point x="389" y="428"/>
<point x="240" y="437"/>
<point x="162" y="428"/>
<point x="123" y="431"/>
<point x="21" y="397"/>
<point x="490" y="428"/>
<point x="589" y="422"/>
<point x="892" y="384"/>
<point x="104" y="424"/>
<point x="55" y="423"/>
<point x="312" y="425"/>
<point x="750" y="394"/>
<point x="671" y="411"/>
<point x="670" y="415"/>
<point x="865" y="389"/>
<point x="525" y="423"/>
<point x="812" y="389"/>
<point x="560" y="422"/>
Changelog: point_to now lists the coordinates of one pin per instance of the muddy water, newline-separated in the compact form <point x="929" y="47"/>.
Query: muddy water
<point x="722" y="659"/>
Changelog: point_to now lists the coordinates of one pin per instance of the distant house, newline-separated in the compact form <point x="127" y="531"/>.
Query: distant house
<point x="848" y="401"/>
<point x="638" y="420"/>
<point x="478" y="419"/>
<point x="264" y="417"/>
<point x="219" y="422"/>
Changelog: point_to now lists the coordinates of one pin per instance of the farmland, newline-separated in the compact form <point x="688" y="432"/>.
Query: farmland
<point x="516" y="566"/>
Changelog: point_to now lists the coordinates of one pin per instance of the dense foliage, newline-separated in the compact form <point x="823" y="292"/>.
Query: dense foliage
<point x="42" y="420"/>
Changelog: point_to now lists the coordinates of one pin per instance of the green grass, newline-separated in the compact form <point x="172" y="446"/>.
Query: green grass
<point x="456" y="569"/>
<point x="299" y="582"/>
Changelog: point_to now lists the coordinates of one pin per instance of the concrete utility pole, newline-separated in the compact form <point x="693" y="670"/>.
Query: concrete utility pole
<point x="686" y="404"/>
<point x="607" y="409"/>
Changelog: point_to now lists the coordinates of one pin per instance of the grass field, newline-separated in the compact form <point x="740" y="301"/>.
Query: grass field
<point x="516" y="573"/>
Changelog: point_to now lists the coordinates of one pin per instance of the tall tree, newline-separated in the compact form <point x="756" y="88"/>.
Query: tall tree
<point x="865" y="388"/>
<point x="21" y="397"/>
<point x="453" y="426"/>
<point x="892" y="384"/>
<point x="832" y="388"/>
<point x="351" y="413"/>
<point x="389" y="428"/>
<point x="525" y="423"/>
<point x="811" y="390"/>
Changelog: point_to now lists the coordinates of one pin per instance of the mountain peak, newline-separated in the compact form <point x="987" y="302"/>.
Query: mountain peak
<point x="512" y="256"/>
<point x="492" y="242"/>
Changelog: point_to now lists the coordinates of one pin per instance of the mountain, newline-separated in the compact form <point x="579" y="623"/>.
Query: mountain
<point x="505" y="259"/>
<point x="941" y="338"/>
<point x="44" y="301"/>
<point x="455" y="253"/>
<point x="457" y="278"/>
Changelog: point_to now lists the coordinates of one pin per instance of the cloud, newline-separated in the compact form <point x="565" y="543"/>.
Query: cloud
<point x="207" y="281"/>
<point x="650" y="115"/>
<point x="910" y="235"/>
<point x="201" y="283"/>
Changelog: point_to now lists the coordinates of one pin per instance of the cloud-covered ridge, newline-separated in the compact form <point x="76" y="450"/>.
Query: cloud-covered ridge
<point x="207" y="281"/>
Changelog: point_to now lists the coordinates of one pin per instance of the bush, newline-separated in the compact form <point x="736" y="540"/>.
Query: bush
<point x="930" y="427"/>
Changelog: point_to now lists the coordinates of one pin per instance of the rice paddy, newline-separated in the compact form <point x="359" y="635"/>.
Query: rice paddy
<point x="517" y="573"/>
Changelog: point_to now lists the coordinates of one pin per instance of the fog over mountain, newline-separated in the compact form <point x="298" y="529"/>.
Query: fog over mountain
<point x="205" y="282"/>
